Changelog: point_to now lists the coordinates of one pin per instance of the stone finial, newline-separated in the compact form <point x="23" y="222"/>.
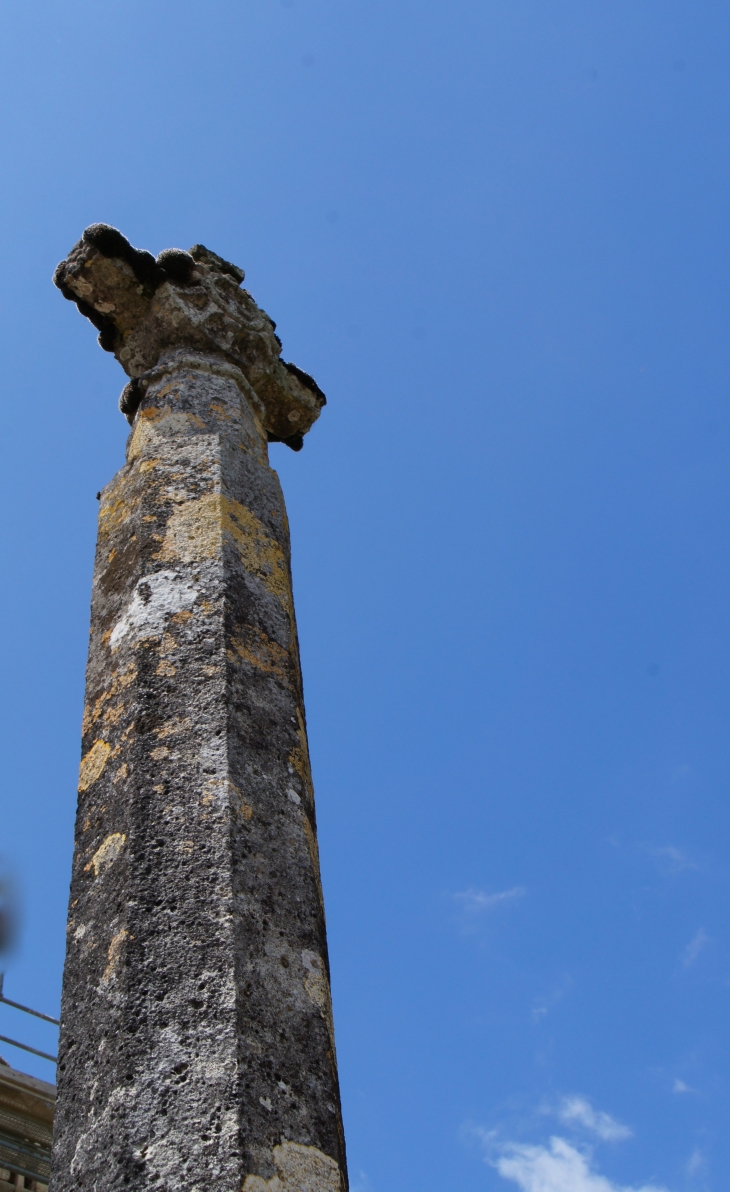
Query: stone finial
<point x="147" y="308"/>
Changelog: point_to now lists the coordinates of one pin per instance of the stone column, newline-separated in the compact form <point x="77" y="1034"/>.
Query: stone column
<point x="197" y="1046"/>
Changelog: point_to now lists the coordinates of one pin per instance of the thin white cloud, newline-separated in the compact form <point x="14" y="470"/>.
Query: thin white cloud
<point x="680" y="772"/>
<point x="672" y="858"/>
<point x="696" y="945"/>
<point x="578" y="1111"/>
<point x="695" y="1163"/>
<point x="475" y="901"/>
<point x="558" y="1167"/>
<point x="680" y="1087"/>
<point x="543" y="1005"/>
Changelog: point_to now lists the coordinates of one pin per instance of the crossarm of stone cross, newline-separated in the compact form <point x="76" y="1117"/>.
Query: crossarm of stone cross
<point x="146" y="307"/>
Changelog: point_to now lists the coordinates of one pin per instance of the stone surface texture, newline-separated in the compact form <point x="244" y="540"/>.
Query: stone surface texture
<point x="197" y="1046"/>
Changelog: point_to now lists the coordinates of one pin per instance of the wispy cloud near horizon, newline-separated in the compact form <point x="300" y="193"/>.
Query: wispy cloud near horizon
<point x="578" y="1111"/>
<point x="671" y="858"/>
<point x="476" y="901"/>
<point x="557" y="1167"/>
<point x="697" y="944"/>
<point x="545" y="1003"/>
<point x="695" y="1163"/>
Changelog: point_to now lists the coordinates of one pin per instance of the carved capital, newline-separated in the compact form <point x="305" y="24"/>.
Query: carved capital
<point x="144" y="308"/>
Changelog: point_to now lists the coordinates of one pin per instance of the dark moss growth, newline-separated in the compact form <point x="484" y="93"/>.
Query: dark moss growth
<point x="176" y="264"/>
<point x="206" y="257"/>
<point x="59" y="281"/>
<point x="108" y="337"/>
<point x="110" y="242"/>
<point x="107" y="240"/>
<point x="130" y="399"/>
<point x="145" y="268"/>
<point x="296" y="442"/>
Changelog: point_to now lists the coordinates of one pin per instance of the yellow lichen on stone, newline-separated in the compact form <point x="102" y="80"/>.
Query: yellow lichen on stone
<point x="311" y="843"/>
<point x="112" y="716"/>
<point x="113" y="954"/>
<point x="258" y="649"/>
<point x="120" y="680"/>
<point x="260" y="554"/>
<point x="143" y="431"/>
<point x="93" y="764"/>
<point x="314" y="854"/>
<point x="107" y="852"/>
<point x="315" y="982"/>
<point x="299" y="1168"/>
<point x="170" y="727"/>
<point x="195" y="532"/>
<point x="299" y="757"/>
<point x="317" y="988"/>
<point x="114" y="513"/>
<point x="222" y="790"/>
<point x="156" y="421"/>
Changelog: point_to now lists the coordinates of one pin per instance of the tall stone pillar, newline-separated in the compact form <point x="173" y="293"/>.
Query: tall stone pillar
<point x="197" y="1048"/>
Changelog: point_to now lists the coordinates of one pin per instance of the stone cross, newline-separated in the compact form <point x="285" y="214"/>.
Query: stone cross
<point x="197" y="1047"/>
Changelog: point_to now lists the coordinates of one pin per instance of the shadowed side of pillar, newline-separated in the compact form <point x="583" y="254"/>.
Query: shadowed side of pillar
<point x="197" y="1044"/>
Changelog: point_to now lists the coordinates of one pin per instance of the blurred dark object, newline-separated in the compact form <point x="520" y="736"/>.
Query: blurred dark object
<point x="9" y="916"/>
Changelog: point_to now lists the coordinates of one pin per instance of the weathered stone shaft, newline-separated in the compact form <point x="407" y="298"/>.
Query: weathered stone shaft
<point x="197" y="1047"/>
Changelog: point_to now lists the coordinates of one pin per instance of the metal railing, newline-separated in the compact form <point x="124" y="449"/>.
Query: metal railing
<point x="26" y="1010"/>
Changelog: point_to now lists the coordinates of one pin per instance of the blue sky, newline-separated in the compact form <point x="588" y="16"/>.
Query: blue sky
<point x="496" y="232"/>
